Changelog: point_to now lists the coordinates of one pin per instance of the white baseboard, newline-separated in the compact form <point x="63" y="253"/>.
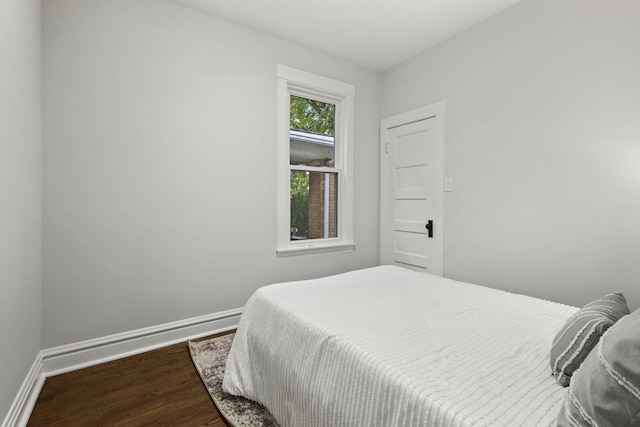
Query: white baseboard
<point x="67" y="358"/>
<point x="25" y="400"/>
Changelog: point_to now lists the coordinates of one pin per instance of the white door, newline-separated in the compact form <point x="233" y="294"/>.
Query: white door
<point x="411" y="196"/>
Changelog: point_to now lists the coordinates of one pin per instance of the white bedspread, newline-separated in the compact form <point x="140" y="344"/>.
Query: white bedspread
<point x="388" y="346"/>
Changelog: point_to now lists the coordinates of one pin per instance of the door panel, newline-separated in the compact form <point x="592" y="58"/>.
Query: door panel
<point x="409" y="249"/>
<point x="415" y="227"/>
<point x="409" y="210"/>
<point x="412" y="151"/>
<point x="412" y="177"/>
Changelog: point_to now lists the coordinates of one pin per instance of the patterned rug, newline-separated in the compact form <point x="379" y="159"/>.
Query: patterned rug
<point x="209" y="358"/>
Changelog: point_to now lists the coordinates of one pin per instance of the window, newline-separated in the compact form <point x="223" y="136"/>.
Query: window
<point x="315" y="128"/>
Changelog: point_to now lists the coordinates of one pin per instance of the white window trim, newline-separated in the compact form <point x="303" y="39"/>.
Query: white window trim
<point x="301" y="83"/>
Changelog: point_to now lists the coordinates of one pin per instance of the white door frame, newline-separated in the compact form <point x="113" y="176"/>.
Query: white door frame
<point x="437" y="112"/>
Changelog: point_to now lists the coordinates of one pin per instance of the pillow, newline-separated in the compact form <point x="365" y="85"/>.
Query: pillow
<point x="581" y="333"/>
<point x="605" y="391"/>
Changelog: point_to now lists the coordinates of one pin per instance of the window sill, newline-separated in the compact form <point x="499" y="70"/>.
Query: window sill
<point x="309" y="249"/>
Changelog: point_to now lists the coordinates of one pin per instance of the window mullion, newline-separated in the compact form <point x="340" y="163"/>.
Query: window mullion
<point x="322" y="169"/>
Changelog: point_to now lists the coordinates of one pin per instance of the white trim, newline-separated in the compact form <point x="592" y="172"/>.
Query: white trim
<point x="282" y="163"/>
<point x="297" y="82"/>
<point x="437" y="111"/>
<point x="66" y="358"/>
<point x="70" y="357"/>
<point x="413" y="116"/>
<point x="323" y="84"/>
<point x="25" y="400"/>
<point x="309" y="249"/>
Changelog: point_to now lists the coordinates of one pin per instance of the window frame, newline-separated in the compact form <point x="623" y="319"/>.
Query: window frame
<point x="292" y="81"/>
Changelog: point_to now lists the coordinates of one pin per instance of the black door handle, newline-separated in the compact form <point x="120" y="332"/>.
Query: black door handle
<point x="429" y="228"/>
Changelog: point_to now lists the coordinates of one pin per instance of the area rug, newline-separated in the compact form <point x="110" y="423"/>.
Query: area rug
<point x="209" y="358"/>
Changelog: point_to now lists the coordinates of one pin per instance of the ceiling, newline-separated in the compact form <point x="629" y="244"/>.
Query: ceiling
<point x="377" y="34"/>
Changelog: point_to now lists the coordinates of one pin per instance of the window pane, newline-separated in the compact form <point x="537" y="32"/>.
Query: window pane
<point x="312" y="130"/>
<point x="314" y="199"/>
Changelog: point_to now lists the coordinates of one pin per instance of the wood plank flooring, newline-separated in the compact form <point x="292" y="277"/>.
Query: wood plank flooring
<point x="156" y="388"/>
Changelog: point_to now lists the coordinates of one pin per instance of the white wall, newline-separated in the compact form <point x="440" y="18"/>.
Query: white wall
<point x="20" y="193"/>
<point x="543" y="144"/>
<point x="160" y="179"/>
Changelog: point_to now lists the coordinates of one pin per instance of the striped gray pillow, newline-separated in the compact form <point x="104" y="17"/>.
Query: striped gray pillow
<point x="581" y="333"/>
<point x="605" y="391"/>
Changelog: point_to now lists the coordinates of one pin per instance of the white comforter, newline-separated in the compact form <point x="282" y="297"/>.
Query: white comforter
<point x="387" y="346"/>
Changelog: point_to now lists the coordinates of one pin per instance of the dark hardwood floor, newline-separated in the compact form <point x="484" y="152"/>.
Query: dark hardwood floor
<point x="157" y="388"/>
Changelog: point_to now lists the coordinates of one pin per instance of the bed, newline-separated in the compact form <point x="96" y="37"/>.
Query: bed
<point x="388" y="346"/>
